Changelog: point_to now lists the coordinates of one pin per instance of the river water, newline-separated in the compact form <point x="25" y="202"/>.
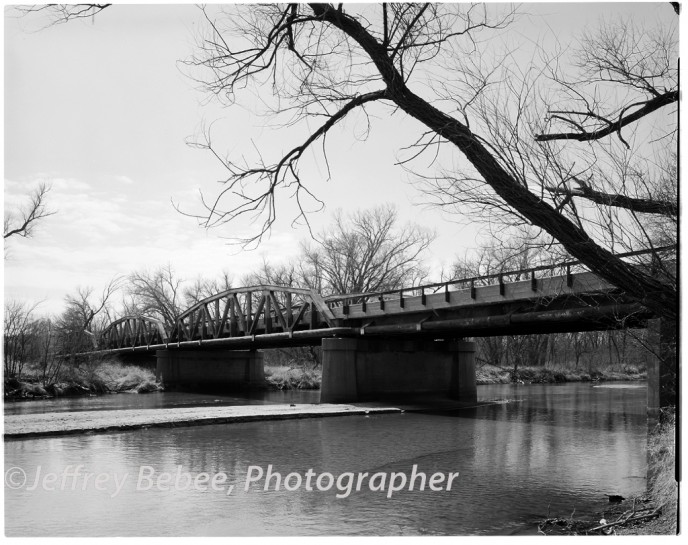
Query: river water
<point x="541" y="449"/>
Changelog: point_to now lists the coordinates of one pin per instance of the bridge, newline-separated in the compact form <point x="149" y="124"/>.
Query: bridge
<point x="410" y="340"/>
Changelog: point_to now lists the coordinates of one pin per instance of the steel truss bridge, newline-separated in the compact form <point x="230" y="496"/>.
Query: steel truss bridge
<point x="545" y="299"/>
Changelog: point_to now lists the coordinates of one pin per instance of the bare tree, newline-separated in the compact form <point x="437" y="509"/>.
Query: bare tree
<point x="45" y="350"/>
<point x="513" y="250"/>
<point x="295" y="273"/>
<point x="23" y="221"/>
<point x="17" y="336"/>
<point x="86" y="308"/>
<point x="158" y="294"/>
<point x="368" y="251"/>
<point x="365" y="251"/>
<point x="325" y="61"/>
<point x="85" y="315"/>
<point x="203" y="288"/>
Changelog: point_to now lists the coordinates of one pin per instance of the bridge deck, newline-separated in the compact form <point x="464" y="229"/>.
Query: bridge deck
<point x="543" y="290"/>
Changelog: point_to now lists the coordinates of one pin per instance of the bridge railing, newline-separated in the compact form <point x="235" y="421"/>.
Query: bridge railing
<point x="566" y="268"/>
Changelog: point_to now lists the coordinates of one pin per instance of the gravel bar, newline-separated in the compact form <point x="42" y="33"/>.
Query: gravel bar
<point x="65" y="423"/>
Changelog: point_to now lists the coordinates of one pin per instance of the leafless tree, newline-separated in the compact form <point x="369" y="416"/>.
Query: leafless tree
<point x="325" y="62"/>
<point x="17" y="335"/>
<point x="365" y="251"/>
<point x="23" y="221"/>
<point x="368" y="251"/>
<point x="45" y="350"/>
<point x="86" y="313"/>
<point x="513" y="250"/>
<point x="158" y="294"/>
<point x="86" y="308"/>
<point x="203" y="288"/>
<point x="294" y="273"/>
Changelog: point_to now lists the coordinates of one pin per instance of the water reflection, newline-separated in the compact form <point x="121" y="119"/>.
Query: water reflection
<point x="549" y="447"/>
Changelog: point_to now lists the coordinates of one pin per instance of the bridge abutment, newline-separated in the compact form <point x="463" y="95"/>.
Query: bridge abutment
<point x="374" y="368"/>
<point x="211" y="369"/>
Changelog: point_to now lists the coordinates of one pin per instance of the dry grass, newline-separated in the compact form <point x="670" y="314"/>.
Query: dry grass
<point x="124" y="378"/>
<point x="664" y="488"/>
<point x="491" y="374"/>
<point x="292" y="378"/>
<point x="95" y="377"/>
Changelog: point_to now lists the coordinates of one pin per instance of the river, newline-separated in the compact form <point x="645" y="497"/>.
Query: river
<point x="541" y="449"/>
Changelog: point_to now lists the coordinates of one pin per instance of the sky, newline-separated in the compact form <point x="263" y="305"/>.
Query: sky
<point x="102" y="111"/>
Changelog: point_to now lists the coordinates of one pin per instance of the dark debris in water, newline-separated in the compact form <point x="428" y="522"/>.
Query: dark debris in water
<point x="611" y="519"/>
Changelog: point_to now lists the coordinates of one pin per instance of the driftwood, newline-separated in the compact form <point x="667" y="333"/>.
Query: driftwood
<point x="628" y="516"/>
<point x="577" y="527"/>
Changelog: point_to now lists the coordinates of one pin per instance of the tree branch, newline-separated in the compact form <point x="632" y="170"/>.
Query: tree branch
<point x="611" y="126"/>
<point x="643" y="205"/>
<point x="29" y="215"/>
<point x="284" y="172"/>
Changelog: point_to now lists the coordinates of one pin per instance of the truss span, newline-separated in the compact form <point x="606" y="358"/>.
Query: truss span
<point x="244" y="312"/>
<point x="131" y="331"/>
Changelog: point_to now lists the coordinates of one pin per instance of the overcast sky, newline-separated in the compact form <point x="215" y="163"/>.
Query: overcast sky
<point x="101" y="111"/>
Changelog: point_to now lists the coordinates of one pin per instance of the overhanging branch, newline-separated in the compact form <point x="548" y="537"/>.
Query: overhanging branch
<point x="283" y="173"/>
<point x="611" y="126"/>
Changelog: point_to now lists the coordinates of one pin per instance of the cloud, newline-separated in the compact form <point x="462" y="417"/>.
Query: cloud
<point x="67" y="185"/>
<point x="124" y="180"/>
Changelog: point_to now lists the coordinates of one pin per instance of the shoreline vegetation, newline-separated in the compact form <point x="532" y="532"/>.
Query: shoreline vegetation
<point x="107" y="377"/>
<point x="492" y="374"/>
<point x="110" y="377"/>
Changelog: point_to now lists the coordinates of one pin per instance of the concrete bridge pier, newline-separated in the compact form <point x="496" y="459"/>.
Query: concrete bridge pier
<point x="375" y="368"/>
<point x="216" y="370"/>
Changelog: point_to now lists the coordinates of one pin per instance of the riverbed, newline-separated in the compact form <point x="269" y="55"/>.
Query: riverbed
<point x="539" y="450"/>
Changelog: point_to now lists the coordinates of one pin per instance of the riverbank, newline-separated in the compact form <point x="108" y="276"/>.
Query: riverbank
<point x="663" y="490"/>
<point x="102" y="378"/>
<point x="492" y="374"/>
